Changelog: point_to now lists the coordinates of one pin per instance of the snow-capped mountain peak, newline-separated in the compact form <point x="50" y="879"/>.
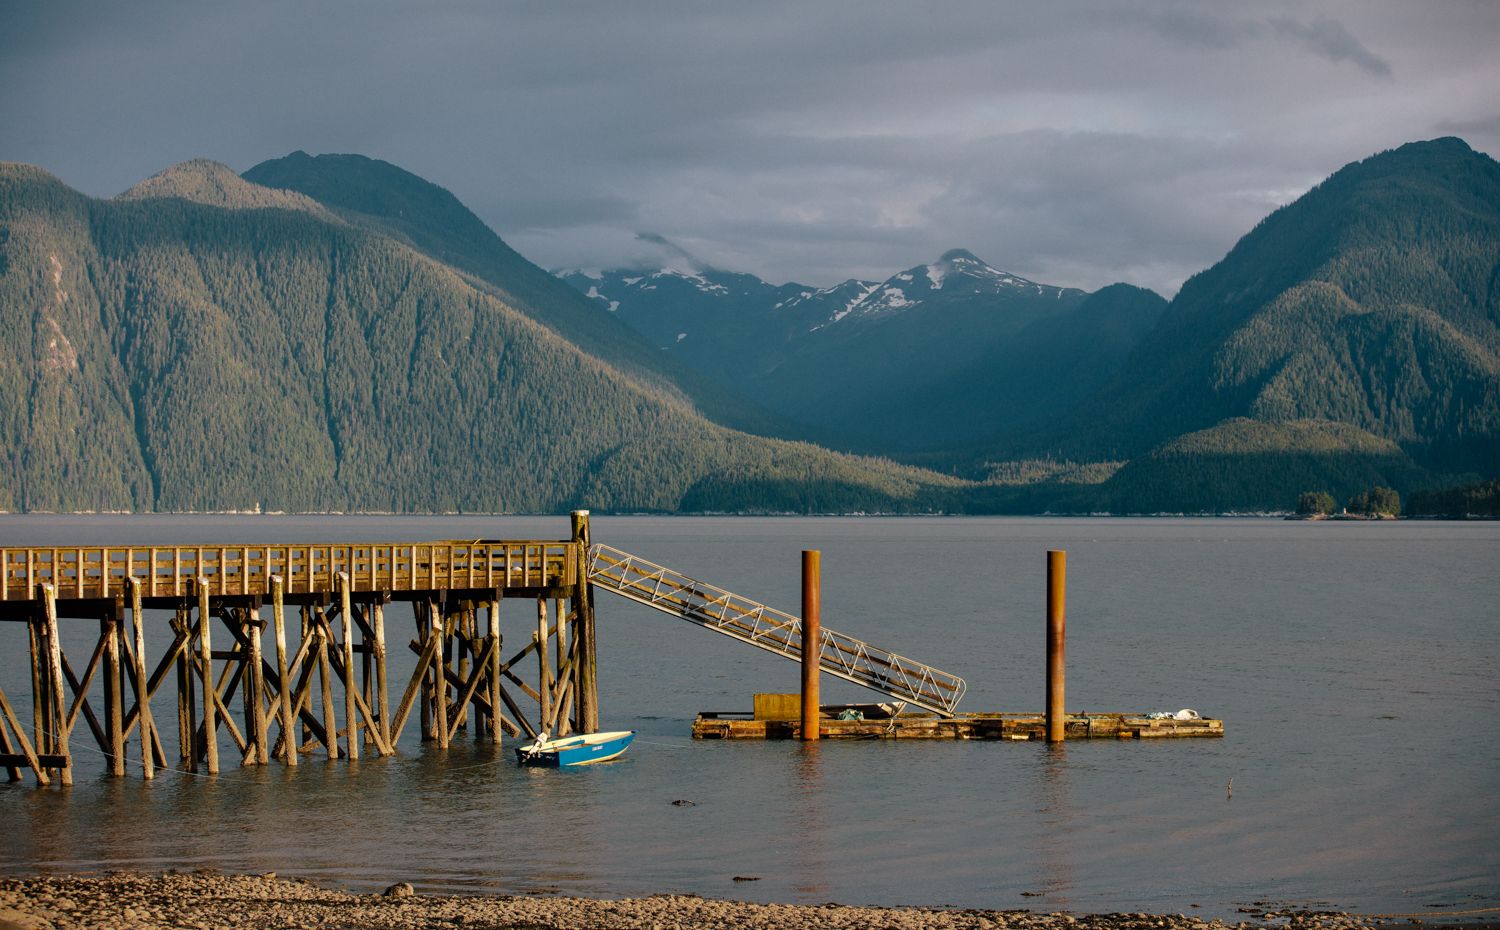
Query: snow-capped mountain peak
<point x="963" y="264"/>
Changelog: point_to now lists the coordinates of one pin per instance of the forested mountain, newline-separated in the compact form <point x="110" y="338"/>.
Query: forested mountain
<point x="1248" y="465"/>
<point x="938" y="355"/>
<point x="1373" y="301"/>
<point x="384" y="198"/>
<point x="347" y="336"/>
<point x="255" y="350"/>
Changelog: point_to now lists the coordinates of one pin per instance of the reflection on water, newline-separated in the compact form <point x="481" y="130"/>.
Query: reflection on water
<point x="809" y="806"/>
<point x="1055" y="846"/>
<point x="1355" y="666"/>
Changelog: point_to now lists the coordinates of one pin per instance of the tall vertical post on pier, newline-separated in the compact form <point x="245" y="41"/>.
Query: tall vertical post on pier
<point x="145" y="723"/>
<point x="1057" y="587"/>
<point x="288" y="716"/>
<point x="588" y="657"/>
<point x="346" y="621"/>
<point x="206" y="675"/>
<point x="57" y="714"/>
<point x="493" y="691"/>
<point x="812" y="639"/>
<point x="111" y="627"/>
<point x="377" y="627"/>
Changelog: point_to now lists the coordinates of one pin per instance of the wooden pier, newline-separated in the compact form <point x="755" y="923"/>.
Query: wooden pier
<point x="321" y="684"/>
<point x="979" y="726"/>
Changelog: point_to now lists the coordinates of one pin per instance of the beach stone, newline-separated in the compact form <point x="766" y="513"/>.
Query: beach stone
<point x="400" y="890"/>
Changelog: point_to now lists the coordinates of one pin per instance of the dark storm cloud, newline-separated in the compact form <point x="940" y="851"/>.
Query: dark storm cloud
<point x="1224" y="29"/>
<point x="1074" y="143"/>
<point x="1331" y="40"/>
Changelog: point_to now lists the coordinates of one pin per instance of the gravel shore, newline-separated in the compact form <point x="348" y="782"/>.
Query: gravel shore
<point x="210" y="901"/>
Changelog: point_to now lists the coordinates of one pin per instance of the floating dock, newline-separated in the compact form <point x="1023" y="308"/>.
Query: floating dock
<point x="980" y="726"/>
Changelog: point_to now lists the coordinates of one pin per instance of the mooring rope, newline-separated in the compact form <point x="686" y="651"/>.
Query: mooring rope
<point x="105" y="755"/>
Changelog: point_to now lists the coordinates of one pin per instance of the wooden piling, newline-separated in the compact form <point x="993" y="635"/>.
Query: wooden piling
<point x="57" y="700"/>
<point x="325" y="685"/>
<point x="493" y="692"/>
<point x="144" y="721"/>
<point x="351" y="717"/>
<point x="38" y="684"/>
<point x="186" y="714"/>
<point x="377" y="629"/>
<point x="544" y="667"/>
<point x="588" y="656"/>
<point x="812" y="635"/>
<point x="421" y="614"/>
<point x="255" y="686"/>
<point x="1057" y="586"/>
<point x="206" y="672"/>
<point x="439" y="622"/>
<point x="288" y="716"/>
<point x="111" y="627"/>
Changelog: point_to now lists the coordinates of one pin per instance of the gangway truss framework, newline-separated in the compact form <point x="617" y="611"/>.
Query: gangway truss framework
<point x="752" y="622"/>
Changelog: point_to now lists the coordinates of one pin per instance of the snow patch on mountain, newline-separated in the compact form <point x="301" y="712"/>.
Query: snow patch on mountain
<point x="593" y="294"/>
<point x="891" y="298"/>
<point x="866" y="291"/>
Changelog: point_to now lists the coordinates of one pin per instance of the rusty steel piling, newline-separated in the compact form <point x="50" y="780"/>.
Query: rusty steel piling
<point x="1057" y="589"/>
<point x="812" y="633"/>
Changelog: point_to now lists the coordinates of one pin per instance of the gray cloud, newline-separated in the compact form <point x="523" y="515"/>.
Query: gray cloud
<point x="1072" y="143"/>
<point x="1331" y="40"/>
<point x="1229" y="29"/>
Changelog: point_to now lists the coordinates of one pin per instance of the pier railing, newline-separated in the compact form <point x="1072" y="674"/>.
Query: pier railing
<point x="100" y="572"/>
<point x="775" y="631"/>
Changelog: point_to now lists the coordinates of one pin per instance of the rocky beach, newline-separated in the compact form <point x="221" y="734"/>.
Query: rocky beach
<point x="210" y="901"/>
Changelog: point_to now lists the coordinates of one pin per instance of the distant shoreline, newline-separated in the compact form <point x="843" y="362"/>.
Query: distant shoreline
<point x="131" y="901"/>
<point x="1158" y="515"/>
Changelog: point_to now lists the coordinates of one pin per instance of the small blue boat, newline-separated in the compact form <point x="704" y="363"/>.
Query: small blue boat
<point x="585" y="749"/>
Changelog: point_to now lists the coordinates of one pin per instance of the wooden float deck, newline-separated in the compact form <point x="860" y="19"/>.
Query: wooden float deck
<point x="981" y="726"/>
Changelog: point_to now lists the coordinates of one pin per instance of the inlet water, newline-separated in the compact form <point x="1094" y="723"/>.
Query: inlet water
<point x="1357" y="667"/>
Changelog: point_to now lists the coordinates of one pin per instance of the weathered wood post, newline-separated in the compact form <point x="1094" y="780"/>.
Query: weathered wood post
<point x="1057" y="586"/>
<point x="39" y="694"/>
<point x="143" y="719"/>
<point x="463" y="636"/>
<point x="187" y="716"/>
<point x="588" y="661"/>
<point x="544" y="667"/>
<point x="493" y="693"/>
<point x="289" y="742"/>
<point x="439" y="670"/>
<point x="562" y="675"/>
<point x="57" y="712"/>
<point x="323" y="632"/>
<point x="254" y="683"/>
<point x="351" y="718"/>
<point x="111" y="628"/>
<point x="206" y="673"/>
<point x="383" y="694"/>
<point x="812" y="639"/>
<point x="421" y="614"/>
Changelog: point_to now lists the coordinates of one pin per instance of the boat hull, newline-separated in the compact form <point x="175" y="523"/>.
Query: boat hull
<point x="571" y="751"/>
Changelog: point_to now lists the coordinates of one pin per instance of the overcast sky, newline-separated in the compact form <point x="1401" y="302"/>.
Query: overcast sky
<point x="1076" y="144"/>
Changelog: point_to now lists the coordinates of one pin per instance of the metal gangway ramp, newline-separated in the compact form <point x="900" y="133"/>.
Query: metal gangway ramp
<point x="772" y="630"/>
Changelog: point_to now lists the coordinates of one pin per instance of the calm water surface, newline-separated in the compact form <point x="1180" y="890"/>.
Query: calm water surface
<point x="1357" y="667"/>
